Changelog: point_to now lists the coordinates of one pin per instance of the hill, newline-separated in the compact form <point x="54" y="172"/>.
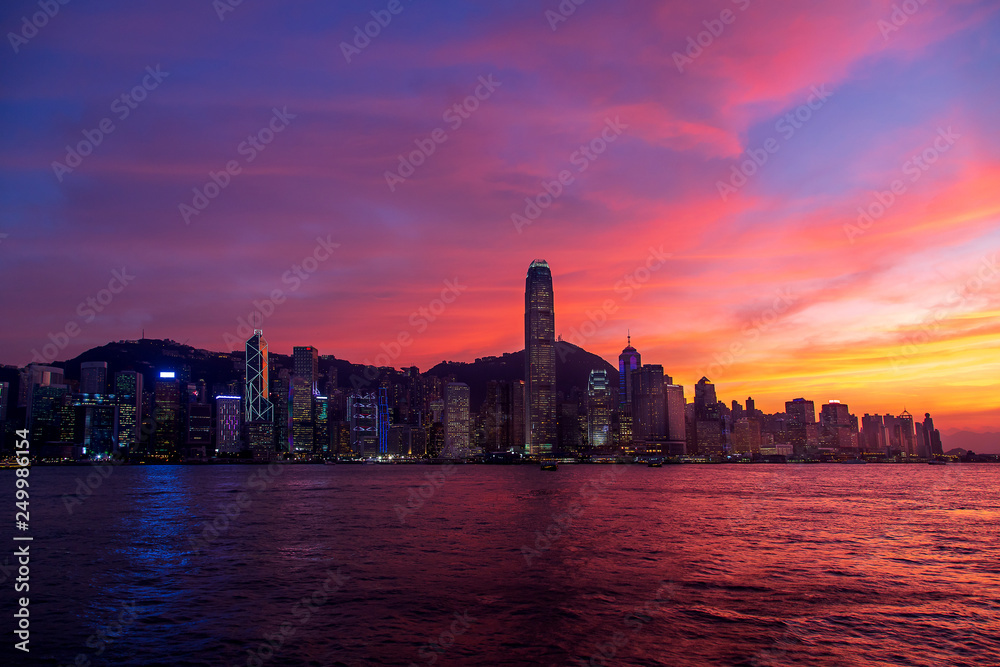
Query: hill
<point x="573" y="366"/>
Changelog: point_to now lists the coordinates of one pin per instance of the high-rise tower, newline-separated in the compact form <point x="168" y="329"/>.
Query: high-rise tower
<point x="258" y="408"/>
<point x="304" y="380"/>
<point x="539" y="360"/>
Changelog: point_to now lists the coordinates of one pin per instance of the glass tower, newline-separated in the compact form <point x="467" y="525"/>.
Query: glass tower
<point x="539" y="360"/>
<point x="258" y="408"/>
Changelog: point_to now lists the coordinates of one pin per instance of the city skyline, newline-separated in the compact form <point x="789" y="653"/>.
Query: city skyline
<point x="708" y="193"/>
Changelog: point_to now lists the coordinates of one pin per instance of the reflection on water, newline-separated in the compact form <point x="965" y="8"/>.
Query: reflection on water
<point x="681" y="565"/>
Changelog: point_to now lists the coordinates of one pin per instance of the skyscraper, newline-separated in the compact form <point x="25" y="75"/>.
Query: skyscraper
<point x="93" y="377"/>
<point x="228" y="424"/>
<point x="649" y="408"/>
<point x="599" y="408"/>
<point x="306" y="375"/>
<point x="674" y="397"/>
<point x="539" y="360"/>
<point x="128" y="394"/>
<point x="628" y="361"/>
<point x="167" y="415"/>
<point x="258" y="408"/>
<point x="456" y="420"/>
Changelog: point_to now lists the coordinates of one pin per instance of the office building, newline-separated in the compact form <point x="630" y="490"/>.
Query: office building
<point x="539" y="360"/>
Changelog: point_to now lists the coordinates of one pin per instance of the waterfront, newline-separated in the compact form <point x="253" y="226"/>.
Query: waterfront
<point x="682" y="565"/>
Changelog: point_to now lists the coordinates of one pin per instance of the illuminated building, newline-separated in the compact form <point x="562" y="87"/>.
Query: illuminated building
<point x="599" y="408"/>
<point x="649" y="417"/>
<point x="628" y="361"/>
<point x="97" y="423"/>
<point x="746" y="436"/>
<point x="362" y="414"/>
<point x="258" y="408"/>
<point x="539" y="360"/>
<point x="94" y="377"/>
<point x="128" y="394"/>
<point x="305" y="375"/>
<point x="382" y="419"/>
<point x="228" y="424"/>
<point x="322" y="436"/>
<point x="456" y="420"/>
<point x="167" y="415"/>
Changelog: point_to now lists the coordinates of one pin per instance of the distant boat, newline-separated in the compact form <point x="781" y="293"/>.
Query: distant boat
<point x="550" y="465"/>
<point x="937" y="462"/>
<point x="330" y="463"/>
<point x="655" y="464"/>
<point x="854" y="461"/>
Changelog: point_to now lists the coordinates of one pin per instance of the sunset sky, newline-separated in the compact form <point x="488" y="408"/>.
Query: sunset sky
<point x="770" y="277"/>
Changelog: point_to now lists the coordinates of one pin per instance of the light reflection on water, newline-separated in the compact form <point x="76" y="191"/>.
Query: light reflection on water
<point x="682" y="565"/>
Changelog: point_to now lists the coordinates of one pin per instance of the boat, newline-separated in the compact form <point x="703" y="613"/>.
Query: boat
<point x="655" y="464"/>
<point x="937" y="462"/>
<point x="550" y="465"/>
<point x="854" y="461"/>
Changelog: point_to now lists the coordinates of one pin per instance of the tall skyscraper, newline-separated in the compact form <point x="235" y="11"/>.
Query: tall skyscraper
<point x="649" y="416"/>
<point x="539" y="360"/>
<point x="674" y="397"/>
<point x="706" y="405"/>
<point x="599" y="408"/>
<point x="94" y="377"/>
<point x="456" y="420"/>
<point x="167" y="416"/>
<point x="258" y="408"/>
<point x="305" y="366"/>
<point x="228" y="424"/>
<point x="128" y="394"/>
<point x="628" y="361"/>
<point x="933" y="436"/>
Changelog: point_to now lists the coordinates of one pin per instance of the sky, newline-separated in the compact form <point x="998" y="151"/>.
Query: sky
<point x="790" y="198"/>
